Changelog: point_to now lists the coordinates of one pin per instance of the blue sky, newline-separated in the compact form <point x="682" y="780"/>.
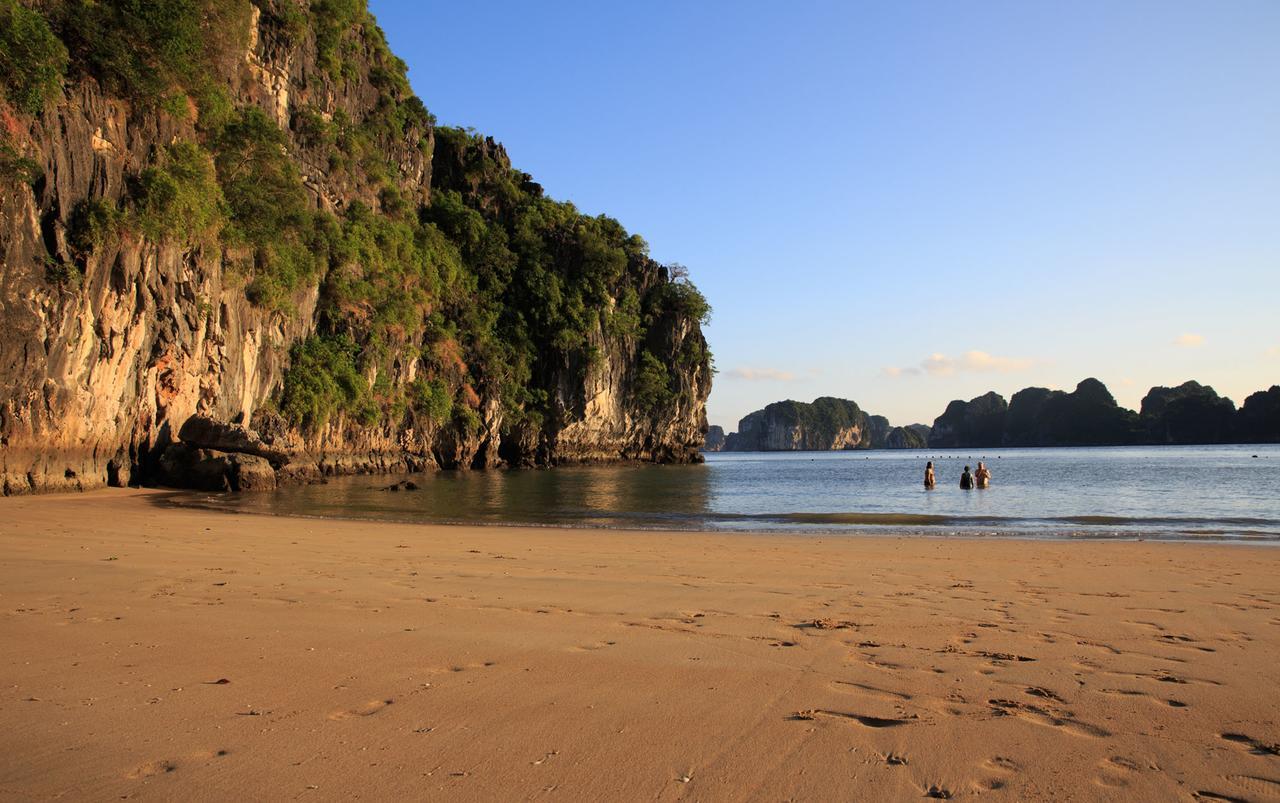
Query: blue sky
<point x="903" y="203"/>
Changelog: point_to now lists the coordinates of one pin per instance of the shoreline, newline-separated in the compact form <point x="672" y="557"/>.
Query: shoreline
<point x="947" y="450"/>
<point x="857" y="526"/>
<point x="474" y="662"/>
<point x="1264" y="540"/>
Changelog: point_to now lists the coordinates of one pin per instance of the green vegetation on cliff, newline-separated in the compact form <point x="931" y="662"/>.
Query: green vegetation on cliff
<point x="433" y="301"/>
<point x="823" y="419"/>
<point x="324" y="381"/>
<point x="148" y="50"/>
<point x="826" y="423"/>
<point x="178" y="197"/>
<point x="32" y="59"/>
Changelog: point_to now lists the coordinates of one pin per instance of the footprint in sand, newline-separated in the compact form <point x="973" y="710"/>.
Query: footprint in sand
<point x="1205" y="795"/>
<point x="1260" y="787"/>
<point x="1042" y="716"/>
<point x="1254" y="746"/>
<point x="773" y="642"/>
<point x="981" y="785"/>
<point x="1153" y="698"/>
<point x="599" y="645"/>
<point x="872" y="661"/>
<point x="1002" y="656"/>
<point x="1161" y="675"/>
<point x="1120" y="762"/>
<point x="998" y="769"/>
<point x="1097" y="645"/>
<point x="1186" y="642"/>
<point x="152" y="769"/>
<point x="1001" y="764"/>
<point x="367" y="710"/>
<point x="1113" y="772"/>
<point x="865" y="721"/>
<point x="1045" y="694"/>
<point x="848" y="687"/>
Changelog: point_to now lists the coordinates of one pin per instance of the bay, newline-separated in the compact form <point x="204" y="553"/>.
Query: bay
<point x="1170" y="492"/>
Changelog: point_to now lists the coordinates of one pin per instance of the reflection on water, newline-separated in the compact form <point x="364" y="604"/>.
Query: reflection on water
<point x="1175" y="492"/>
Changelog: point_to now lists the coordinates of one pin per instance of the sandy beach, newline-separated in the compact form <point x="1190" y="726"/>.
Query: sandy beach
<point x="157" y="653"/>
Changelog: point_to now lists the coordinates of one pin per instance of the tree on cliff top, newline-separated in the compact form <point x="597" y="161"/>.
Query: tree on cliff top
<point x="32" y="59"/>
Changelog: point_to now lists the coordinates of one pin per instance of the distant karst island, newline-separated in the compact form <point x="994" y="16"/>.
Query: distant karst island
<point x="825" y="425"/>
<point x="1190" y="413"/>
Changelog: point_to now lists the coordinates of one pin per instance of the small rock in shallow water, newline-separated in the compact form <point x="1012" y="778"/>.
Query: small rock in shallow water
<point x="403" y="485"/>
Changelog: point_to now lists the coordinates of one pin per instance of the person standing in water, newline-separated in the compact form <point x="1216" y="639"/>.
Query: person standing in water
<point x="982" y="477"/>
<point x="929" y="480"/>
<point x="966" y="480"/>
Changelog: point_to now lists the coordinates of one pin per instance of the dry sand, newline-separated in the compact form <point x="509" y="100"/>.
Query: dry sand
<point x="155" y="653"/>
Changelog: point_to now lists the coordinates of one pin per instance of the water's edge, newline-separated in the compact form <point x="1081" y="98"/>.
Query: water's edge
<point x="751" y="525"/>
<point x="1224" y="494"/>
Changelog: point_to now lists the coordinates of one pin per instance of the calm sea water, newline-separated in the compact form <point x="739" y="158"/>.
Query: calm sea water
<point x="1218" y="492"/>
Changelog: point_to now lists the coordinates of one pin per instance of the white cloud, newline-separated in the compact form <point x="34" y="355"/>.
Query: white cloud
<point x="974" y="362"/>
<point x="760" y="374"/>
<point x="1189" y="341"/>
<point x="938" y="365"/>
<point x="982" y="362"/>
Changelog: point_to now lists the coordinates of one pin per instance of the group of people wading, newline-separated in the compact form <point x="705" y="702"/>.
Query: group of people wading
<point x="968" y="481"/>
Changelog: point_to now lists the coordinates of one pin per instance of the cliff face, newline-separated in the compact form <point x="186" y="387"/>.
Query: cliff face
<point x="283" y="239"/>
<point x="1189" y="413"/>
<point x="905" y="438"/>
<point x="825" y="425"/>
<point x="715" y="439"/>
<point x="978" y="422"/>
<point x="1089" y="416"/>
<point x="1259" y="418"/>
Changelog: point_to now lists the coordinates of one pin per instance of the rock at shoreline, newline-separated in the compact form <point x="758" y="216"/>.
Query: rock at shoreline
<point x="402" y="485"/>
<point x="252" y="473"/>
<point x="184" y="466"/>
<point x="206" y="433"/>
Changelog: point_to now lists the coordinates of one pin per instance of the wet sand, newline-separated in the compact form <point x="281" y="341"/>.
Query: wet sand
<point x="157" y="653"/>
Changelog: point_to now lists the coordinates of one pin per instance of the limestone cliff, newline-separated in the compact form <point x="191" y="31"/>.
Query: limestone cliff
<point x="1259" y="418"/>
<point x="906" y="438"/>
<point x="1190" y="413"/>
<point x="240" y="213"/>
<point x="715" y="439"/>
<point x="978" y="422"/>
<point x="827" y="424"/>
